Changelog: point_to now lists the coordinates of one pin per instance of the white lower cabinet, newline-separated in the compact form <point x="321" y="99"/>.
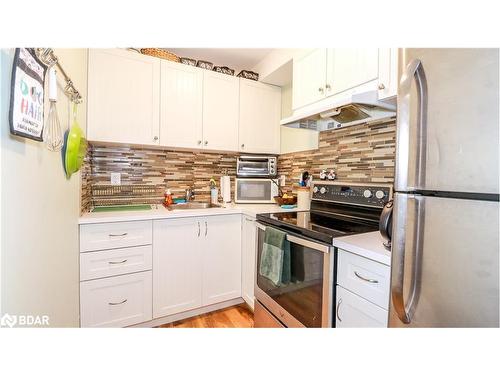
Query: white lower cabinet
<point x="177" y="266"/>
<point x="365" y="277"/>
<point x="118" y="301"/>
<point x="196" y="262"/>
<point x="248" y="259"/>
<point x="221" y="256"/>
<point x="353" y="311"/>
<point x="362" y="291"/>
<point x="97" y="264"/>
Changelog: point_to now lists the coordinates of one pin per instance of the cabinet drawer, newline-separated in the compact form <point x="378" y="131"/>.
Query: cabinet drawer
<point x="353" y="311"/>
<point x="366" y="278"/>
<point x="118" y="301"/>
<point x="97" y="264"/>
<point x="115" y="235"/>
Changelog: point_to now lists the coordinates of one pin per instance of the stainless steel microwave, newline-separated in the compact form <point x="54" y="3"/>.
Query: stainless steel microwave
<point x="256" y="166"/>
<point x="255" y="190"/>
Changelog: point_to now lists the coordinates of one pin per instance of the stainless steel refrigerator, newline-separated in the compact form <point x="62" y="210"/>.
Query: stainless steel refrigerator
<point x="445" y="234"/>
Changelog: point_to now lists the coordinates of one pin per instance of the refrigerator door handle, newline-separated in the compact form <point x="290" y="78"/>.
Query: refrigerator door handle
<point x="405" y="310"/>
<point x="403" y="182"/>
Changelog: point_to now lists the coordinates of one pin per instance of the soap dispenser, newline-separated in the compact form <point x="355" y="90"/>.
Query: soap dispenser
<point x="168" y="198"/>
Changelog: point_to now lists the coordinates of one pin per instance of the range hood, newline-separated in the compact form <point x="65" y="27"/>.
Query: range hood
<point x="346" y="111"/>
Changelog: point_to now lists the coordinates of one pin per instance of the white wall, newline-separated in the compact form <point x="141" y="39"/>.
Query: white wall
<point x="40" y="209"/>
<point x="295" y="140"/>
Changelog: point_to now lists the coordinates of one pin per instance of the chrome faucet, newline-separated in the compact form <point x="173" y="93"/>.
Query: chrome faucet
<point x="189" y="194"/>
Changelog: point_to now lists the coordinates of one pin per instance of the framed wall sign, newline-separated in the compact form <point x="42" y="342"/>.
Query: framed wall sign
<point x="27" y="94"/>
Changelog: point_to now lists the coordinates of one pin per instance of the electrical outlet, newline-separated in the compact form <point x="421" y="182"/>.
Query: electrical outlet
<point x="116" y="178"/>
<point x="282" y="180"/>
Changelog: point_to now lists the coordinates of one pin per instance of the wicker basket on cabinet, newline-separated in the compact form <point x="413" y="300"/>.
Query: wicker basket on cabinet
<point x="161" y="53"/>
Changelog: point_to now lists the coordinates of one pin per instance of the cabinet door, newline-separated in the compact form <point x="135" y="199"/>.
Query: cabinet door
<point x="387" y="72"/>
<point x="177" y="266"/>
<point x="353" y="311"/>
<point x="350" y="67"/>
<point x="220" y="111"/>
<point x="123" y="97"/>
<point x="221" y="254"/>
<point x="181" y="105"/>
<point x="309" y="78"/>
<point x="248" y="255"/>
<point x="260" y="113"/>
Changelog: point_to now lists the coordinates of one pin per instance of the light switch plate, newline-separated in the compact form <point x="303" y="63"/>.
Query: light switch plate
<point x="282" y="180"/>
<point x="116" y="178"/>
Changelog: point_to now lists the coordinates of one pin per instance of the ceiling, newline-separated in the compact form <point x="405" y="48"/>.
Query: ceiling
<point x="234" y="58"/>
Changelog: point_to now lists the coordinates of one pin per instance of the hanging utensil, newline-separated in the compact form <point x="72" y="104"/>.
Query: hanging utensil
<point x="76" y="147"/>
<point x="52" y="133"/>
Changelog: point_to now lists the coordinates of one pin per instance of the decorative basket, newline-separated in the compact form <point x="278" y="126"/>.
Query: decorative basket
<point x="223" y="69"/>
<point x="188" y="61"/>
<point x="161" y="53"/>
<point x="248" y="74"/>
<point x="289" y="200"/>
<point x="205" y="64"/>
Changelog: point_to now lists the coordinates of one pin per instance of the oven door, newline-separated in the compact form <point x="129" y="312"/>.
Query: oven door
<point x="255" y="190"/>
<point x="307" y="300"/>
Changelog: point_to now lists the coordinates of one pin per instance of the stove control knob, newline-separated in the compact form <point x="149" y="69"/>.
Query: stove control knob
<point x="367" y="193"/>
<point x="315" y="190"/>
<point x="380" y="194"/>
<point x="322" y="190"/>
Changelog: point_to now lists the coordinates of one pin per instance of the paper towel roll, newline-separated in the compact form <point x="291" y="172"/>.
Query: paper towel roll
<point x="225" y="188"/>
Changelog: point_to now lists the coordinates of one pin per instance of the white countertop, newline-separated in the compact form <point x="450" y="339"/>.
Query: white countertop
<point x="368" y="245"/>
<point x="162" y="213"/>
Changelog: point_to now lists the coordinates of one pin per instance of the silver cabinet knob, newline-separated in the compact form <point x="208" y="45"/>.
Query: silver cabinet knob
<point x="328" y="87"/>
<point x="206" y="143"/>
<point x="381" y="86"/>
<point x="199" y="142"/>
<point x="155" y="138"/>
<point x="321" y="89"/>
<point x="242" y="145"/>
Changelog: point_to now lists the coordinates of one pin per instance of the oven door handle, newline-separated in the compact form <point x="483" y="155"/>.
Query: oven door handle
<point x="300" y="241"/>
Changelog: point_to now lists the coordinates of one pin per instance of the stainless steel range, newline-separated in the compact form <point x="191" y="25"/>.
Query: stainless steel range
<point x="337" y="209"/>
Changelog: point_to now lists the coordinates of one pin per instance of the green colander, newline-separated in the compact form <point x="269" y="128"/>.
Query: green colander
<point x="76" y="147"/>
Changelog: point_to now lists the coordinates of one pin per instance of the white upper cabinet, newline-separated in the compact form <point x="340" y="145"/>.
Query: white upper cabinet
<point x="139" y="99"/>
<point x="123" y="97"/>
<point x="387" y="73"/>
<point x="322" y="73"/>
<point x="260" y="114"/>
<point x="220" y="111"/>
<point x="181" y="105"/>
<point x="350" y="67"/>
<point x="309" y="78"/>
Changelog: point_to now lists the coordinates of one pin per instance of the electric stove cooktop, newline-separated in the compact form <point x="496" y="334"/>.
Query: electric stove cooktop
<point x="336" y="210"/>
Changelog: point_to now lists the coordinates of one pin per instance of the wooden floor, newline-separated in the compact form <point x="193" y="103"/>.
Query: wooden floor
<point x="238" y="316"/>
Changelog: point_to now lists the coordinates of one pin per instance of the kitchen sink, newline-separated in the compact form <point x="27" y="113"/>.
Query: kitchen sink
<point x="192" y="206"/>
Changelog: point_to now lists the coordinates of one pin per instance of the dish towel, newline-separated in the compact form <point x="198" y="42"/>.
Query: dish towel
<point x="275" y="263"/>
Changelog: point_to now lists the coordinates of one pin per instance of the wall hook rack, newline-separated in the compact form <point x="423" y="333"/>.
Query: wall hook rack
<point x="49" y="58"/>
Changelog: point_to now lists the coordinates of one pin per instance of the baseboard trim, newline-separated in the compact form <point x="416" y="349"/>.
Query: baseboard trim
<point x="188" y="314"/>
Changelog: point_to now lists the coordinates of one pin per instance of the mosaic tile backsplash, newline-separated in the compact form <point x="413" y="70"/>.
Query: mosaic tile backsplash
<point x="361" y="153"/>
<point x="145" y="172"/>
